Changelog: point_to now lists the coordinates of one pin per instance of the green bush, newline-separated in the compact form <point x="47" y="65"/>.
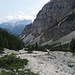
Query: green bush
<point x="11" y="62"/>
<point x="26" y="72"/>
<point x="7" y="73"/>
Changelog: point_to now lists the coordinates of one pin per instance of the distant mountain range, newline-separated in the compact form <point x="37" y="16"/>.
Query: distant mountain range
<point x="15" y="27"/>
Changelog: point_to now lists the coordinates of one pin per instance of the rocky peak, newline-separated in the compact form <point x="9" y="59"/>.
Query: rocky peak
<point x="46" y="25"/>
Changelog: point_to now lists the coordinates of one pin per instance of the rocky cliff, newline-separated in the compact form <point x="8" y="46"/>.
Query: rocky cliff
<point x="54" y="21"/>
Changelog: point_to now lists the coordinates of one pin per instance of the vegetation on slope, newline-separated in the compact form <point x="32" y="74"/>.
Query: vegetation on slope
<point x="59" y="47"/>
<point x="35" y="47"/>
<point x="9" y="41"/>
<point x="72" y="46"/>
<point x="55" y="47"/>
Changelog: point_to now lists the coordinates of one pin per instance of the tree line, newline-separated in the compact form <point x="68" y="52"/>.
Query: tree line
<point x="8" y="40"/>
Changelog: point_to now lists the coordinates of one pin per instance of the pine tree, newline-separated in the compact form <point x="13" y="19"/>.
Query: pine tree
<point x="6" y="43"/>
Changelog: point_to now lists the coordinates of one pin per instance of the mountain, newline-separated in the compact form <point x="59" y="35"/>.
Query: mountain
<point x="9" y="41"/>
<point x="16" y="27"/>
<point x="54" y="21"/>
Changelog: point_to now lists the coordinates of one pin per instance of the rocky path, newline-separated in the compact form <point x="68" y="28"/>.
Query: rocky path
<point x="55" y="63"/>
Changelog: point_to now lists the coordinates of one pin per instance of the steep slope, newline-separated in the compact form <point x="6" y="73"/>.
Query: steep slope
<point x="54" y="21"/>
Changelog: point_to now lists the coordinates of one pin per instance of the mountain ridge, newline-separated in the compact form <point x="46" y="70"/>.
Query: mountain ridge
<point x="54" y="21"/>
<point x="15" y="27"/>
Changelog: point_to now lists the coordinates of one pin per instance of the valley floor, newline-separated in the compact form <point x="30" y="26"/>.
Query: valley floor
<point x="52" y="63"/>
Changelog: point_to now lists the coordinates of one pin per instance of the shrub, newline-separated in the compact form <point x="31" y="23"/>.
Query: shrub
<point x="72" y="46"/>
<point x="7" y="73"/>
<point x="25" y="72"/>
<point x="11" y="62"/>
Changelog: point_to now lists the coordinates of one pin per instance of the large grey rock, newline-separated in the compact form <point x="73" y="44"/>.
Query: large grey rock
<point x="51" y="23"/>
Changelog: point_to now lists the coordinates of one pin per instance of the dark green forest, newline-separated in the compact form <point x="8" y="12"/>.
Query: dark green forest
<point x="8" y="40"/>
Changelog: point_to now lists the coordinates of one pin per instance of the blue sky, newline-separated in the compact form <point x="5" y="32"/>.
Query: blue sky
<point x="20" y="9"/>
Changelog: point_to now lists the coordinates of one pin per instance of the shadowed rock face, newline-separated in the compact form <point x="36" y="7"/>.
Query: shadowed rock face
<point x="27" y="30"/>
<point x="51" y="22"/>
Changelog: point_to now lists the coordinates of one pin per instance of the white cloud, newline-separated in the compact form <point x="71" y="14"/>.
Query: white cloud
<point x="11" y="17"/>
<point x="27" y="10"/>
<point x="17" y="16"/>
<point x="24" y="17"/>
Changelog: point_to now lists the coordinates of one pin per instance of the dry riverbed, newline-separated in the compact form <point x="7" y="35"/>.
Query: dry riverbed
<point x="54" y="63"/>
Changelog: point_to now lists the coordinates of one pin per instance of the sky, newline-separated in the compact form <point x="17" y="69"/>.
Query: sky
<point x="20" y="9"/>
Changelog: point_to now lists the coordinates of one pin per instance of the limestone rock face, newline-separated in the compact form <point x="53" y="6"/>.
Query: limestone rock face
<point x="54" y="21"/>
